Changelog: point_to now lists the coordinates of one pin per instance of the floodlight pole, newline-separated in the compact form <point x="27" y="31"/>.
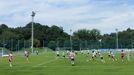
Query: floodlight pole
<point x="4" y="48"/>
<point x="43" y="44"/>
<point x="80" y="44"/>
<point x="18" y="45"/>
<point x="132" y="43"/>
<point x="11" y="44"/>
<point x="33" y="14"/>
<point x="57" y="44"/>
<point x="100" y="42"/>
<point x="116" y="38"/>
<point x="24" y="44"/>
<point x="71" y="39"/>
<point x="2" y="52"/>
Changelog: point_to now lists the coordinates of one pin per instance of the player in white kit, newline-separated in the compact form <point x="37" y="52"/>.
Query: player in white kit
<point x="57" y="54"/>
<point x="72" y="57"/>
<point x="93" y="55"/>
<point x="10" y="59"/>
<point x="26" y="53"/>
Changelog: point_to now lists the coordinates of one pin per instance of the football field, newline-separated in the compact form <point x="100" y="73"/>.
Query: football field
<point x="46" y="64"/>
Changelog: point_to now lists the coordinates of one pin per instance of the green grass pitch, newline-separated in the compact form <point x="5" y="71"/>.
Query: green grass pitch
<point x="47" y="64"/>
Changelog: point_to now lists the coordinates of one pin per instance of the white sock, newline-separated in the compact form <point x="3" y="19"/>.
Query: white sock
<point x="10" y="65"/>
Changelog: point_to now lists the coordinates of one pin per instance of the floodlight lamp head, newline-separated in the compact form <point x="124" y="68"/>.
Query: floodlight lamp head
<point x="100" y="40"/>
<point x="70" y="30"/>
<point x="116" y="29"/>
<point x="33" y="14"/>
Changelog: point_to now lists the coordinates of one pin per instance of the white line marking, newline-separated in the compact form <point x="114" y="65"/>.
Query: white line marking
<point x="66" y="66"/>
<point x="45" y="63"/>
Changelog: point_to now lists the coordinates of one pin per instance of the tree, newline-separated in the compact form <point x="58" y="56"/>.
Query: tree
<point x="95" y="34"/>
<point x="55" y="36"/>
<point x="52" y="45"/>
<point x="82" y="34"/>
<point x="36" y="43"/>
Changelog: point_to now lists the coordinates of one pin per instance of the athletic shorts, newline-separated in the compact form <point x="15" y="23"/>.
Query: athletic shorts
<point x="92" y="57"/>
<point x="72" y="59"/>
<point x="101" y="57"/>
<point x="10" y="60"/>
<point x="27" y="56"/>
<point x="122" y="56"/>
<point x="112" y="56"/>
<point x="58" y="55"/>
<point x="95" y="56"/>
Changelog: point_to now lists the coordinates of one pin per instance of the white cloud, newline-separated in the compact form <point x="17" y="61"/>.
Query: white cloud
<point x="103" y="15"/>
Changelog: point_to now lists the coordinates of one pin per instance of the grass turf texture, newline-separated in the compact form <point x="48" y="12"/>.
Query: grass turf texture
<point x="46" y="64"/>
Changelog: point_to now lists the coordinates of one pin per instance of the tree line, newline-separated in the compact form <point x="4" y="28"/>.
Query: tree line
<point x="54" y="37"/>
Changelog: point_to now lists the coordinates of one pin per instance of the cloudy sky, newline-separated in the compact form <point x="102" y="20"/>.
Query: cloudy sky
<point x="105" y="15"/>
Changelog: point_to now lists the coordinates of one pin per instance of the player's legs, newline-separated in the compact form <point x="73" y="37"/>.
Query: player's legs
<point x="57" y="56"/>
<point x="72" y="61"/>
<point x="10" y="62"/>
<point x="122" y="57"/>
<point x="27" y="58"/>
<point x="113" y="58"/>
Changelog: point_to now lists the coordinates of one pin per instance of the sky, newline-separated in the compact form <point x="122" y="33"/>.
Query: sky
<point x="105" y="15"/>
